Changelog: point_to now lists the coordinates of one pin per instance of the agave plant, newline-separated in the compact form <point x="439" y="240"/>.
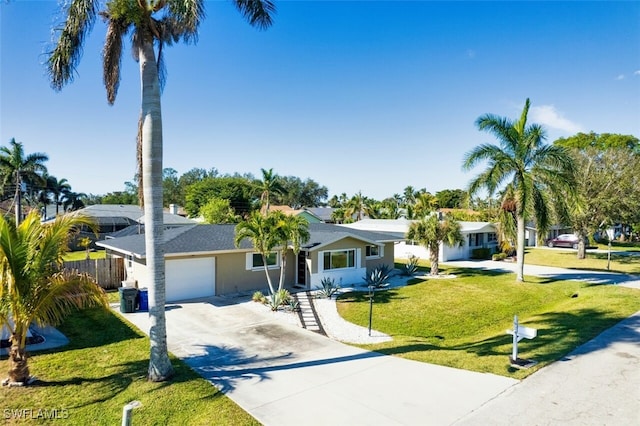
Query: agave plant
<point x="411" y="267"/>
<point x="378" y="277"/>
<point x="329" y="288"/>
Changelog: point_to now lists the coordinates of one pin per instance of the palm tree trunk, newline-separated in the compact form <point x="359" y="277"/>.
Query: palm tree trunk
<point x="160" y="368"/>
<point x="266" y="271"/>
<point x="434" y="254"/>
<point x="520" y="248"/>
<point x="283" y="265"/>
<point x="18" y="366"/>
<point x="18" y="199"/>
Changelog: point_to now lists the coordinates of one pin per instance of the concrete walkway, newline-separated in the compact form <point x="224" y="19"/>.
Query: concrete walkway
<point x="284" y="375"/>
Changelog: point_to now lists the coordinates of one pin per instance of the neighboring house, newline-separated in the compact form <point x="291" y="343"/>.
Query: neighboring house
<point x="324" y="213"/>
<point x="202" y="260"/>
<point x="308" y="215"/>
<point x="115" y="219"/>
<point x="476" y="235"/>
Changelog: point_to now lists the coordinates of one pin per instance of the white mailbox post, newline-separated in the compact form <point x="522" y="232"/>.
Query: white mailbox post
<point x="519" y="332"/>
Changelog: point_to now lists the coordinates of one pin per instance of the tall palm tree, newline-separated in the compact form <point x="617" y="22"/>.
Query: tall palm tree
<point x="33" y="286"/>
<point x="270" y="184"/>
<point x="16" y="167"/>
<point x="260" y="229"/>
<point x="540" y="177"/>
<point x="431" y="232"/>
<point x="58" y="189"/>
<point x="153" y="23"/>
<point x="72" y="201"/>
<point x="292" y="232"/>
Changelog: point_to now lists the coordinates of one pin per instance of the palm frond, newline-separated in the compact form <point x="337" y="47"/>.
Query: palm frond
<point x="257" y="12"/>
<point x="112" y="56"/>
<point x="66" y="54"/>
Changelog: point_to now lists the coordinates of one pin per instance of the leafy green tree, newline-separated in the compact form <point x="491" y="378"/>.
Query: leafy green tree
<point x="16" y="167"/>
<point x="601" y="142"/>
<point x="218" y="210"/>
<point x="238" y="190"/>
<point x="120" y="197"/>
<point x="151" y="24"/>
<point x="356" y="206"/>
<point x="540" y="177"/>
<point x="171" y="191"/>
<point x="431" y="232"/>
<point x="261" y="230"/>
<point x="608" y="190"/>
<point x="297" y="193"/>
<point x="34" y="288"/>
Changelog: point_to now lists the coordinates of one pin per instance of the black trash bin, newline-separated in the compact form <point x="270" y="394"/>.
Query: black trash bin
<point x="128" y="299"/>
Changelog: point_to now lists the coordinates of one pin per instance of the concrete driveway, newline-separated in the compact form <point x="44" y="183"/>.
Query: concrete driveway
<point x="285" y="375"/>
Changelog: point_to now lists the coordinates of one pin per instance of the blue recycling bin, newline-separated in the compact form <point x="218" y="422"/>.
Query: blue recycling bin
<point x="143" y="304"/>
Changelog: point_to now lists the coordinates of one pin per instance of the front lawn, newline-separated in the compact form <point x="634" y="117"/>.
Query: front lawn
<point x="594" y="261"/>
<point x="462" y="322"/>
<point x="102" y="369"/>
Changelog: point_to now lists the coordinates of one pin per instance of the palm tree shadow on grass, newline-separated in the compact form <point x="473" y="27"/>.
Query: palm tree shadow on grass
<point x="559" y="335"/>
<point x="111" y="385"/>
<point x="93" y="328"/>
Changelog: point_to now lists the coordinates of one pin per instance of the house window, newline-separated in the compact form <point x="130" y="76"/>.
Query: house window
<point x="493" y="238"/>
<point x="129" y="261"/>
<point x="339" y="259"/>
<point x="475" y="240"/>
<point x="374" y="251"/>
<point x="255" y="261"/>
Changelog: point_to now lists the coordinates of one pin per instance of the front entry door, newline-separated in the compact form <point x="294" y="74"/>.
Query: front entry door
<point x="302" y="268"/>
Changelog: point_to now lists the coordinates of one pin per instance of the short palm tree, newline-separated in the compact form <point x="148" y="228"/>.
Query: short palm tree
<point x="261" y="230"/>
<point x="16" y="166"/>
<point x="540" y="177"/>
<point x="293" y="231"/>
<point x="152" y="24"/>
<point x="33" y="286"/>
<point x="430" y="232"/>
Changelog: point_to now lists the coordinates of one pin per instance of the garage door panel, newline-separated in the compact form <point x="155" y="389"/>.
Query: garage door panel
<point x="190" y="278"/>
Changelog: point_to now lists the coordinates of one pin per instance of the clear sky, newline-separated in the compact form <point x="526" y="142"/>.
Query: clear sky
<point x="359" y="96"/>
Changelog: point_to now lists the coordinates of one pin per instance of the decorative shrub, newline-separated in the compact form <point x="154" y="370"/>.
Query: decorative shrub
<point x="258" y="297"/>
<point x="499" y="256"/>
<point x="481" y="253"/>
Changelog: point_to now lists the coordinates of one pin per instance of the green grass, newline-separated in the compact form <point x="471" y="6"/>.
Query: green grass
<point x="82" y="255"/>
<point x="593" y="261"/>
<point x="461" y="322"/>
<point x="103" y="368"/>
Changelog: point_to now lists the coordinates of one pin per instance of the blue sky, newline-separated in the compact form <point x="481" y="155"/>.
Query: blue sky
<point x="358" y="96"/>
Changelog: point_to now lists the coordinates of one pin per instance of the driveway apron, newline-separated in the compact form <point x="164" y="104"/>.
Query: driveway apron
<point x="284" y="375"/>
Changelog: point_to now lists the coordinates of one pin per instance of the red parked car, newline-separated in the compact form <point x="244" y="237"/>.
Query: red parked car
<point x="564" y="240"/>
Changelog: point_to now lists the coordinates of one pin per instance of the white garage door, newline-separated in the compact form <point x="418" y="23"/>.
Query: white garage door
<point x="190" y="278"/>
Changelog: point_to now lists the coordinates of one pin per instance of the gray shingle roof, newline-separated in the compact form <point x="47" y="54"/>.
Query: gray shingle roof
<point x="212" y="238"/>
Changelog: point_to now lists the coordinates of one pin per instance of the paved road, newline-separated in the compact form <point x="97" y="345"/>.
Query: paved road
<point x="598" y="277"/>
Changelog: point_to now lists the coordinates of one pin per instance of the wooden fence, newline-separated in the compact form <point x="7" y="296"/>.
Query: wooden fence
<point x="109" y="273"/>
